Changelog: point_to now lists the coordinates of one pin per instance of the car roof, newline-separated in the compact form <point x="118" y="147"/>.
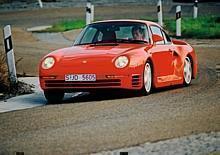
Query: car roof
<point x="129" y="20"/>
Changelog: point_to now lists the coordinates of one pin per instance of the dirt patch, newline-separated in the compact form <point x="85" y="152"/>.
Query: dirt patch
<point x="71" y="35"/>
<point x="28" y="51"/>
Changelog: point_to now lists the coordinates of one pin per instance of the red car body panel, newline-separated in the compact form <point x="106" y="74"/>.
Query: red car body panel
<point x="167" y="62"/>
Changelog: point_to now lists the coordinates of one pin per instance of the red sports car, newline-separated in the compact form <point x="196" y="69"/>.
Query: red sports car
<point x="122" y="54"/>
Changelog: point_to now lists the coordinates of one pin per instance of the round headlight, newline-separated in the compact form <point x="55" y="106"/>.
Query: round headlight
<point x="121" y="62"/>
<point x="48" y="63"/>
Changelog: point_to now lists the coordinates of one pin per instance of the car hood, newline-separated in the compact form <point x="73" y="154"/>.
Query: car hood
<point x="95" y="59"/>
<point x="90" y="51"/>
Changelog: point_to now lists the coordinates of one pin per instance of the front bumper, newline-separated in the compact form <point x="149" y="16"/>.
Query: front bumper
<point x="130" y="81"/>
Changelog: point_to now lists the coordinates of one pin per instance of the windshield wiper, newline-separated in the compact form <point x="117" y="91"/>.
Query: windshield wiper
<point x="130" y="41"/>
<point x="101" y="43"/>
<point x="83" y="44"/>
<point x="114" y="42"/>
<point x="111" y="43"/>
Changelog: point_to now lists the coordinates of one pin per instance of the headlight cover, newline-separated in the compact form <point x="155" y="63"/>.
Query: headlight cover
<point x="48" y="63"/>
<point x="121" y="62"/>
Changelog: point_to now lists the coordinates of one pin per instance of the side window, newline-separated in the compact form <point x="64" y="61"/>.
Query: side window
<point x="89" y="35"/>
<point x="156" y="30"/>
<point x="78" y="38"/>
<point x="99" y="37"/>
<point x="147" y="35"/>
<point x="167" y="39"/>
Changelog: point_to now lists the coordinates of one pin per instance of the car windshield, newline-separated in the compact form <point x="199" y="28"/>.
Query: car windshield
<point x="113" y="32"/>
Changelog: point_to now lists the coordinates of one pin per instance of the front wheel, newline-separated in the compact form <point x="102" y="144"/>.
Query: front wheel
<point x="147" y="79"/>
<point x="187" y="71"/>
<point x="53" y="96"/>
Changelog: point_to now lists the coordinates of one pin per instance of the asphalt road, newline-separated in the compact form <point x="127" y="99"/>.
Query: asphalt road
<point x="93" y="123"/>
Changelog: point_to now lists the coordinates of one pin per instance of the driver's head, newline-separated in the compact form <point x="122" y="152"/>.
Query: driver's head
<point x="138" y="33"/>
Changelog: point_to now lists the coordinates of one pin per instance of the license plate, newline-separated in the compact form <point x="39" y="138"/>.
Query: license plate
<point x="80" y="77"/>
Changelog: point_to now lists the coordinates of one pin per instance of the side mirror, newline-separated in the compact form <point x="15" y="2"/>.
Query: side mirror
<point x="157" y="38"/>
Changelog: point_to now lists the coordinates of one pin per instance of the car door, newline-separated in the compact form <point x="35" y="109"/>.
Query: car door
<point x="162" y="57"/>
<point x="177" y="61"/>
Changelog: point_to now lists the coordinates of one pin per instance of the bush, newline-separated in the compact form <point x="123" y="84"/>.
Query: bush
<point x="4" y="81"/>
<point x="8" y="90"/>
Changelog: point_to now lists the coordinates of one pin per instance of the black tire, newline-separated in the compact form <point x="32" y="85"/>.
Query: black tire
<point x="53" y="96"/>
<point x="146" y="89"/>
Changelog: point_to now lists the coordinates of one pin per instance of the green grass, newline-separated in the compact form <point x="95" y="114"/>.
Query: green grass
<point x="215" y="153"/>
<point x="202" y="27"/>
<point x="66" y="25"/>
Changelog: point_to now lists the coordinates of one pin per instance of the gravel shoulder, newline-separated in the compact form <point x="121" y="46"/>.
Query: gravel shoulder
<point x="200" y="144"/>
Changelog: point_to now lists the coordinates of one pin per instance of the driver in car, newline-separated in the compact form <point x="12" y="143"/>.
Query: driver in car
<point x="138" y="33"/>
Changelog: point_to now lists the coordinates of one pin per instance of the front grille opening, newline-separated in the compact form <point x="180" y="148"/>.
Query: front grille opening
<point x="81" y="84"/>
<point x="136" y="81"/>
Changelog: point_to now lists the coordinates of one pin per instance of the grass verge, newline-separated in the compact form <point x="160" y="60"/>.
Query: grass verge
<point x="215" y="153"/>
<point x="200" y="28"/>
<point x="66" y="25"/>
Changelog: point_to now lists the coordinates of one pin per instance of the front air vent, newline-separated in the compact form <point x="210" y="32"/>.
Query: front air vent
<point x="136" y="81"/>
<point x="83" y="84"/>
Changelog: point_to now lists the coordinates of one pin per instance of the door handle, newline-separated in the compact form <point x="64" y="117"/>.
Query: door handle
<point x="173" y="52"/>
